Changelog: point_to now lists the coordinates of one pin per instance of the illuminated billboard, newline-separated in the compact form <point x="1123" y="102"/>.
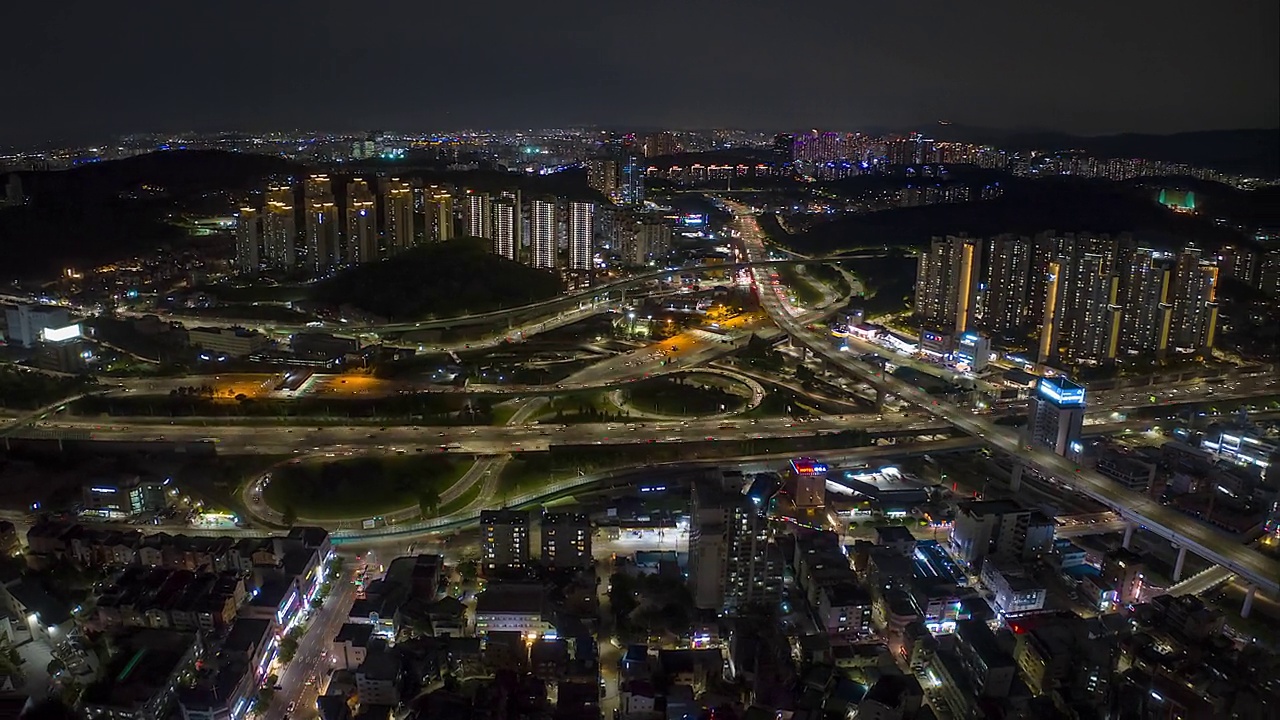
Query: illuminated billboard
<point x="60" y="334"/>
<point x="1061" y="392"/>
<point x="808" y="466"/>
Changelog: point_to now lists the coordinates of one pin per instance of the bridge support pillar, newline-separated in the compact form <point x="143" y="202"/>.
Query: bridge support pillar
<point x="1177" y="566"/>
<point x="1015" y="478"/>
<point x="1248" y="601"/>
<point x="1128" y="535"/>
<point x="880" y="397"/>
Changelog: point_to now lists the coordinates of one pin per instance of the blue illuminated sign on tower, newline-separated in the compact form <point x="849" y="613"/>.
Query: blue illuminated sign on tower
<point x="1061" y="392"/>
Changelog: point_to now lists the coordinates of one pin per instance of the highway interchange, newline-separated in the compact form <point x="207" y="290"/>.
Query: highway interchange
<point x="927" y="416"/>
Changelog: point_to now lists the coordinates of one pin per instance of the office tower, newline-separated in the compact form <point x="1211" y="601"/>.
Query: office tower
<point x="25" y="325"/>
<point x="397" y="210"/>
<point x="362" y="224"/>
<point x="1193" y="302"/>
<point x="581" y="235"/>
<point x="478" y="215"/>
<point x="999" y="528"/>
<point x="437" y="214"/>
<point x="947" y="282"/>
<point x="1008" y="283"/>
<point x="248" y="241"/>
<point x="1056" y="416"/>
<point x="321" y="224"/>
<point x="280" y="229"/>
<point x="504" y="539"/>
<point x="630" y="182"/>
<point x="1241" y="263"/>
<point x="566" y="540"/>
<point x="1144" y="326"/>
<point x="506" y="222"/>
<point x="732" y="562"/>
<point x="542" y="233"/>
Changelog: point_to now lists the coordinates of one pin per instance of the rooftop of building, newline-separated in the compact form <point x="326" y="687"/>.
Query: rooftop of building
<point x="357" y="634"/>
<point x="511" y="598"/>
<point x="566" y="518"/>
<point x="504" y="517"/>
<point x="979" y="508"/>
<point x="246" y="635"/>
<point x="893" y="534"/>
<point x="141" y="667"/>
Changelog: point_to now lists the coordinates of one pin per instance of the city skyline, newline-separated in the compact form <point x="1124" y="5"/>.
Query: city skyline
<point x="112" y="71"/>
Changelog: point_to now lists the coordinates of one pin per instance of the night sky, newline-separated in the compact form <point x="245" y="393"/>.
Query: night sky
<point x="81" y="69"/>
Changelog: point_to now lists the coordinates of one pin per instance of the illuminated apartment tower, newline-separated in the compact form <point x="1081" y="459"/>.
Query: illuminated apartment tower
<point x="280" y="229"/>
<point x="504" y="538"/>
<point x="1006" y="290"/>
<point x="581" y="235"/>
<point x="1193" y="302"/>
<point x="1080" y="310"/>
<point x="506" y="221"/>
<point x="566" y="540"/>
<point x="1238" y="262"/>
<point x="478" y="215"/>
<point x="362" y="224"/>
<point x="248" y="241"/>
<point x="321" y="224"/>
<point x="438" y="214"/>
<point x="947" y="282"/>
<point x="1144" y="327"/>
<point x="397" y="204"/>
<point x="542" y="234"/>
<point x="603" y="176"/>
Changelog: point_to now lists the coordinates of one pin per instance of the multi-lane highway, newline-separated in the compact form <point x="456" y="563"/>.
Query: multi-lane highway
<point x="1141" y="510"/>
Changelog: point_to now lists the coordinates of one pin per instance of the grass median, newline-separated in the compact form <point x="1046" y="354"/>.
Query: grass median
<point x="363" y="487"/>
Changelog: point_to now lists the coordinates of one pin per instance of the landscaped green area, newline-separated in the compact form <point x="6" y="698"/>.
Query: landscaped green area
<point x="440" y="279"/>
<point x="531" y="471"/>
<point x="362" y="487"/>
<point x="585" y="407"/>
<point x="682" y="395"/>
<point x="28" y="390"/>
<point x="801" y="286"/>
<point x="889" y="281"/>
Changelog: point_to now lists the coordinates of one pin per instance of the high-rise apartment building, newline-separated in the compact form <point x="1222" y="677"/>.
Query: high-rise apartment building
<point x="1091" y="316"/>
<point x="437" y="214"/>
<point x="362" y="224"/>
<point x="542" y="233"/>
<point x="947" y="282"/>
<point x="819" y="147"/>
<point x="662" y="143"/>
<point x="477" y="215"/>
<point x="1239" y="262"/>
<point x="397" y="213"/>
<point x="505" y="226"/>
<point x="1008" y="285"/>
<point x="733" y="562"/>
<point x="581" y="222"/>
<point x="504" y="538"/>
<point x="603" y="176"/>
<point x="321" y="225"/>
<point x="1144" y="326"/>
<point x="1056" y="416"/>
<point x="1194" y="302"/>
<point x="280" y="228"/>
<point x="248" y="241"/>
<point x="566" y="540"/>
